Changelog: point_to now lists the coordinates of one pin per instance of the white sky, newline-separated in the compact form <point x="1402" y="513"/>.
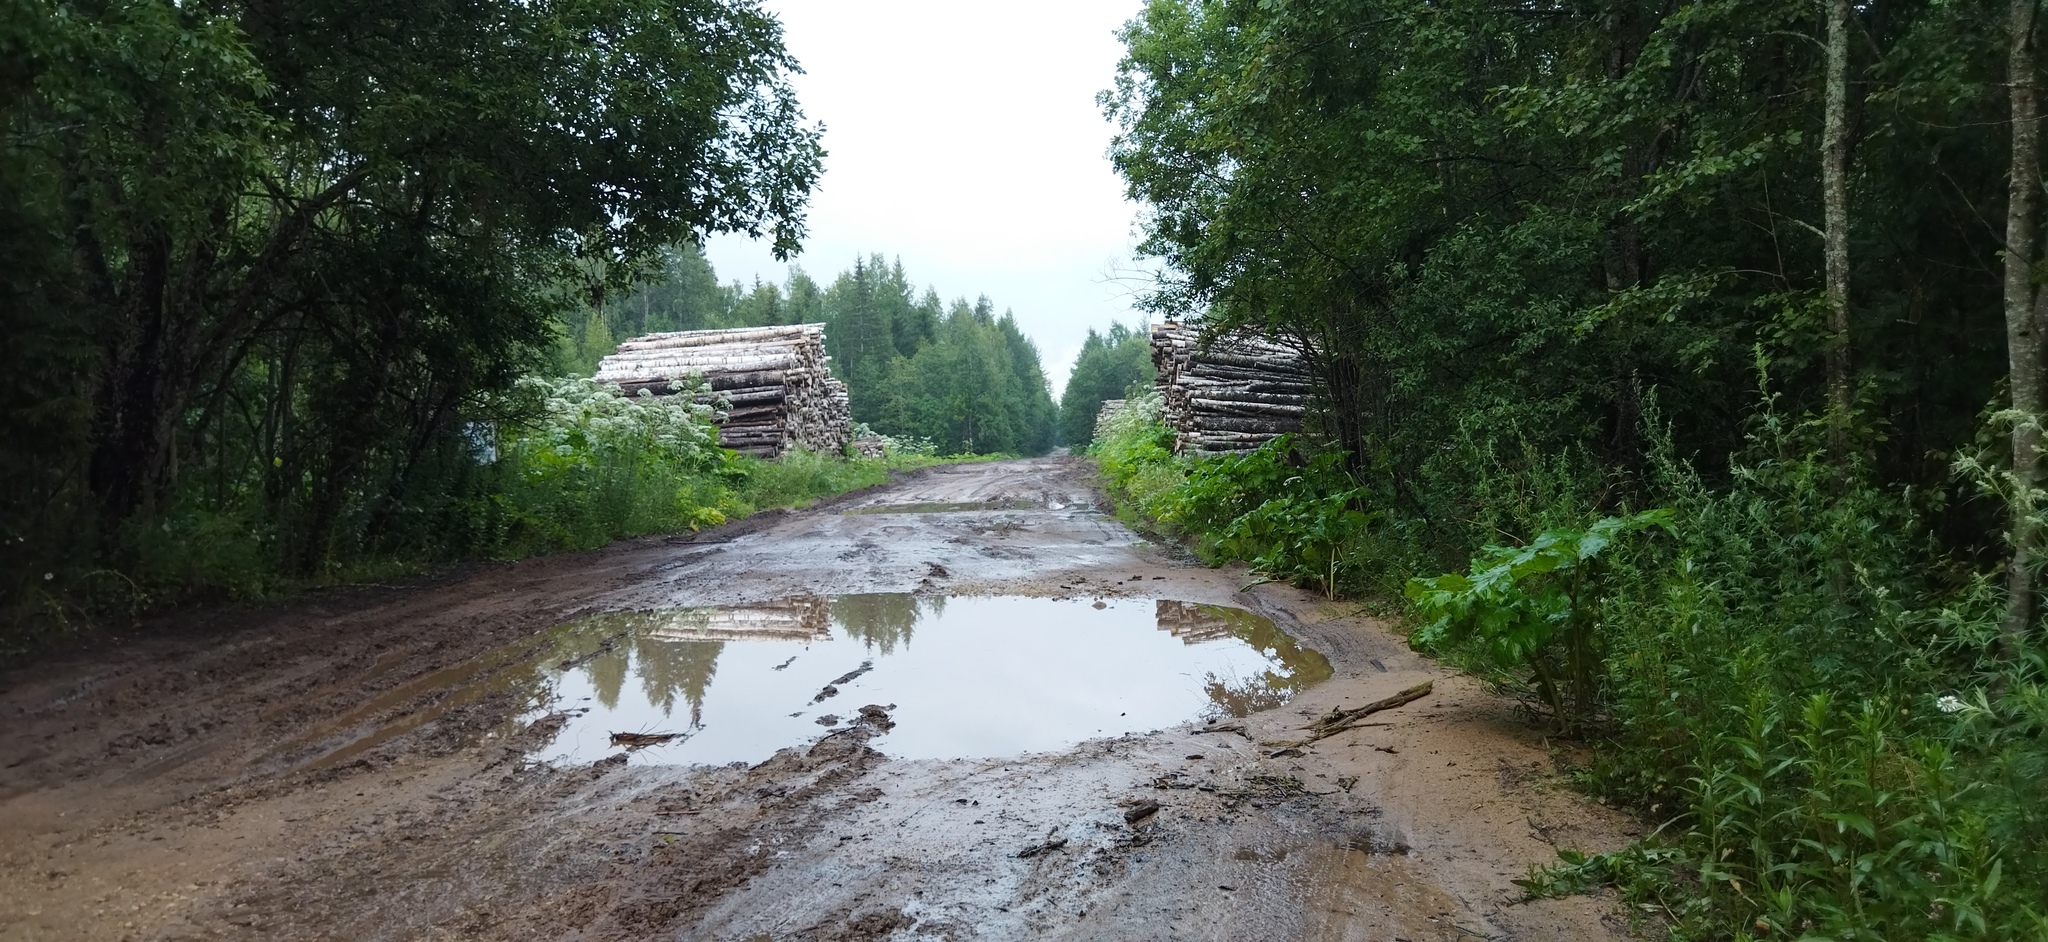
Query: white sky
<point x="964" y="139"/>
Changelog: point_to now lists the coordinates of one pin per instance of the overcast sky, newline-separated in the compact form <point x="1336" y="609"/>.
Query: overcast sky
<point x="965" y="140"/>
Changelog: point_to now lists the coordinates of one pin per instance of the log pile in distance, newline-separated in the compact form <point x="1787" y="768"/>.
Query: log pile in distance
<point x="1228" y="393"/>
<point x="772" y="387"/>
<point x="1109" y="407"/>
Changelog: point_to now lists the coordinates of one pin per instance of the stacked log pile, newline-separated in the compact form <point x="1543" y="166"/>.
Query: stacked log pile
<point x="771" y="386"/>
<point x="1231" y="393"/>
<point x="1109" y="407"/>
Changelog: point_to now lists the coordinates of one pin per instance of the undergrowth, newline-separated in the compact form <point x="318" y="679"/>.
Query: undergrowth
<point x="1778" y="669"/>
<point x="589" y="466"/>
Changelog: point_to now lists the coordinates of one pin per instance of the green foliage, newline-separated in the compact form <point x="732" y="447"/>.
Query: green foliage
<point x="589" y="466"/>
<point x="959" y="377"/>
<point x="1812" y="821"/>
<point x="598" y="466"/>
<point x="1535" y="606"/>
<point x="1300" y="520"/>
<point x="974" y="387"/>
<point x="800" y="477"/>
<point x="1539" y="262"/>
<point x="1107" y="367"/>
<point x="1810" y="712"/>
<point x="1294" y="520"/>
<point x="266" y="266"/>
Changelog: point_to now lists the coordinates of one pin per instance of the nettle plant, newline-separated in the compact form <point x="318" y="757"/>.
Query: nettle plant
<point x="1534" y="607"/>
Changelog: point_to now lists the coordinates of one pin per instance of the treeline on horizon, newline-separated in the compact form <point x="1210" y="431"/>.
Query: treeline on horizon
<point x="956" y="375"/>
<point x="1682" y="363"/>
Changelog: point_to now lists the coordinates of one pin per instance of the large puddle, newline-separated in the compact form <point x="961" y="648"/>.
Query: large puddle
<point x="960" y="677"/>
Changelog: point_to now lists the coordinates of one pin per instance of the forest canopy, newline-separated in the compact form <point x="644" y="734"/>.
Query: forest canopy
<point x="1681" y="364"/>
<point x="270" y="264"/>
<point x="1108" y="365"/>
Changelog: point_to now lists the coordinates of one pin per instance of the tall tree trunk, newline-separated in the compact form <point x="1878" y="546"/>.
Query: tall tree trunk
<point x="2022" y="321"/>
<point x="1834" y="174"/>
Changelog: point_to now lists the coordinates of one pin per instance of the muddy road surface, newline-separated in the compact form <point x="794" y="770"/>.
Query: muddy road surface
<point x="964" y="705"/>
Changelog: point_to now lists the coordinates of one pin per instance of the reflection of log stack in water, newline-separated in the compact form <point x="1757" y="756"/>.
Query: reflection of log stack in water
<point x="1229" y="393"/>
<point x="794" y="620"/>
<point x="1193" y="622"/>
<point x="771" y="385"/>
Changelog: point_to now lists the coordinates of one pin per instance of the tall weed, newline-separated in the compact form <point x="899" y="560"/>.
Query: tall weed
<point x="1291" y="516"/>
<point x="1809" y="707"/>
<point x="1801" y="692"/>
<point x="598" y="465"/>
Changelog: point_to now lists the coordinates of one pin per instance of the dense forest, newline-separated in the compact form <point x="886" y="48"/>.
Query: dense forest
<point x="302" y="292"/>
<point x="275" y="276"/>
<point x="1680" y="363"/>
<point x="1108" y="365"/>
<point x="956" y="376"/>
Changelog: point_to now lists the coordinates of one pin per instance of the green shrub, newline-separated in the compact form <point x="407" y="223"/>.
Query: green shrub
<point x="1303" y="520"/>
<point x="597" y="465"/>
<point x="1815" y="716"/>
<point x="800" y="477"/>
<point x="1535" y="606"/>
<point x="1789" y="680"/>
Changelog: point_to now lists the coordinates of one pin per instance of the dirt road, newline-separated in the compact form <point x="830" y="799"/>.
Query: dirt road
<point x="362" y="766"/>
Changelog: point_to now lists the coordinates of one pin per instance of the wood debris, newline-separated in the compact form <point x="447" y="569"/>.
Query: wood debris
<point x="1337" y="721"/>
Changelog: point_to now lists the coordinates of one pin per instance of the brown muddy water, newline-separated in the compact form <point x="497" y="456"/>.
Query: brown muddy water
<point x="435" y="761"/>
<point x="960" y="677"/>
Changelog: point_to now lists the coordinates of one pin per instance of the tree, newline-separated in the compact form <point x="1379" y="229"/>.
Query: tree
<point x="306" y="242"/>
<point x="964" y="378"/>
<point x="1835" y="198"/>
<point x="2026" y="305"/>
<point x="1105" y="369"/>
<point x="1505" y="228"/>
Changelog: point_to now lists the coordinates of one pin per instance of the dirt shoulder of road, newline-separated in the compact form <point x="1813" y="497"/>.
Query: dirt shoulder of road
<point x="352" y="765"/>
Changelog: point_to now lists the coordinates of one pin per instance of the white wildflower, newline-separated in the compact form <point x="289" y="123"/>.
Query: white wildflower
<point x="1950" y="703"/>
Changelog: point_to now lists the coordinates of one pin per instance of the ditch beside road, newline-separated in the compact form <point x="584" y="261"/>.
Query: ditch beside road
<point x="398" y="762"/>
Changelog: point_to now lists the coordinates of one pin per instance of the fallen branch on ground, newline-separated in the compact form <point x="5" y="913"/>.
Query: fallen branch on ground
<point x="1338" y="721"/>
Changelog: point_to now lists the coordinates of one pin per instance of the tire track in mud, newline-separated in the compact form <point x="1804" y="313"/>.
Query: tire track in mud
<point x="315" y="771"/>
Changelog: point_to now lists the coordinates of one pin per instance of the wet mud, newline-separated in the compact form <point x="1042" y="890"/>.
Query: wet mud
<point x="440" y="761"/>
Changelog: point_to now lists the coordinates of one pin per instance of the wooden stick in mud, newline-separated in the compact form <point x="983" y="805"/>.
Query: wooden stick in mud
<point x="1340" y="720"/>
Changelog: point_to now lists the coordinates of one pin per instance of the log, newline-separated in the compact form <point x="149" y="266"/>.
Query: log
<point x="772" y="386"/>
<point x="689" y="338"/>
<point x="1231" y="392"/>
<point x="1235" y="407"/>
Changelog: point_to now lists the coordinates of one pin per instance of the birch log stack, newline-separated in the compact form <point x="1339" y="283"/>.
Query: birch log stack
<point x="771" y="386"/>
<point x="1109" y="407"/>
<point x="1230" y="393"/>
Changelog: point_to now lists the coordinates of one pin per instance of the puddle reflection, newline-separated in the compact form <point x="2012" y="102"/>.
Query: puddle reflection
<point x="967" y="676"/>
<point x="955" y="507"/>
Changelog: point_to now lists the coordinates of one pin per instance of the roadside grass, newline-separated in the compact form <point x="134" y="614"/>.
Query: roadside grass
<point x="591" y="467"/>
<point x="1808" y="704"/>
